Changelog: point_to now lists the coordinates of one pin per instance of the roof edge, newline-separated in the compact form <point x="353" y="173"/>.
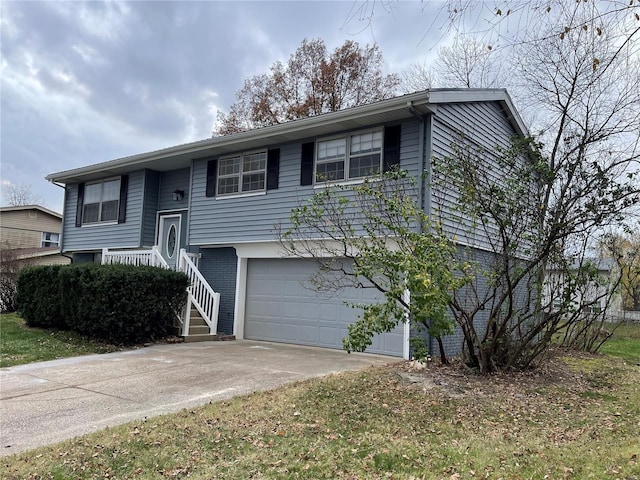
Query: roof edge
<point x="30" y="207"/>
<point x="425" y="100"/>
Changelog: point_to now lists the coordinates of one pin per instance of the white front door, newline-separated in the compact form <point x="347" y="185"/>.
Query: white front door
<point x="169" y="238"/>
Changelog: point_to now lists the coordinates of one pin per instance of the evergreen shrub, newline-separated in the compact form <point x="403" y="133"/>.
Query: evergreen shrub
<point x="120" y="304"/>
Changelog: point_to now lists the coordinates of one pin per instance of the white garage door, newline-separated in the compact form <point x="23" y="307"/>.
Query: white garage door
<point x="281" y="306"/>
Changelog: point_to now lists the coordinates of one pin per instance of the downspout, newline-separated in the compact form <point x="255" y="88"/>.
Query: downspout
<point x="424" y="193"/>
<point x="64" y="203"/>
<point x="421" y="154"/>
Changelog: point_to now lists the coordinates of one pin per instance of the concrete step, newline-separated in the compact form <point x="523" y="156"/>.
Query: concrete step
<point x="198" y="329"/>
<point x="208" y="338"/>
<point x="196" y="320"/>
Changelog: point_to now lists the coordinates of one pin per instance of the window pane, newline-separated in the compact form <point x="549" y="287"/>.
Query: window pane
<point x="109" y="211"/>
<point x="366" y="142"/>
<point x="92" y="193"/>
<point x="171" y="241"/>
<point x="331" y="171"/>
<point x="111" y="190"/>
<point x="90" y="212"/>
<point x="229" y="166"/>
<point x="227" y="185"/>
<point x="331" y="149"/>
<point x="364" y="166"/>
<point x="50" y="239"/>
<point x="255" y="161"/>
<point x="253" y="182"/>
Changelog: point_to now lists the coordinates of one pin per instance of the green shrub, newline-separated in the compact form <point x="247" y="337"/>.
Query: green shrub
<point x="120" y="304"/>
<point x="38" y="295"/>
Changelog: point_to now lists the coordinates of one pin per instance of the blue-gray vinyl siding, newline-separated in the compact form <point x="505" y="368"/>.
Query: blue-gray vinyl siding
<point x="150" y="207"/>
<point x="483" y="125"/>
<point x="149" y="192"/>
<point x="95" y="237"/>
<point x="169" y="183"/>
<point x="253" y="217"/>
<point x="470" y="295"/>
<point x="219" y="268"/>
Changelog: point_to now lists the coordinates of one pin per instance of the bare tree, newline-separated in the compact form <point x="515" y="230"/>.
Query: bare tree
<point x="467" y="63"/>
<point x="470" y="63"/>
<point x="418" y="77"/>
<point x="505" y="23"/>
<point x="556" y="196"/>
<point x="17" y="195"/>
<point x="312" y="82"/>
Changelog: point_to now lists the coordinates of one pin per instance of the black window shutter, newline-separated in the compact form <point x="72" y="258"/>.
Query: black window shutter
<point x="79" y="204"/>
<point x="212" y="176"/>
<point x="306" y="165"/>
<point x="273" y="168"/>
<point x="391" y="148"/>
<point x="122" y="207"/>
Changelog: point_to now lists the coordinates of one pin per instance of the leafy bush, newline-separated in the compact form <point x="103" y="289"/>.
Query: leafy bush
<point x="9" y="268"/>
<point x="37" y="297"/>
<point x="120" y="304"/>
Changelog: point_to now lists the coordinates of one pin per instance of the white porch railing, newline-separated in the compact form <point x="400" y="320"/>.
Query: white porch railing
<point x="200" y="294"/>
<point x="149" y="257"/>
<point x="194" y="257"/>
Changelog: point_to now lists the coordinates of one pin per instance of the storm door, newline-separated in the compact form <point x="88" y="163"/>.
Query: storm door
<point x="169" y="238"/>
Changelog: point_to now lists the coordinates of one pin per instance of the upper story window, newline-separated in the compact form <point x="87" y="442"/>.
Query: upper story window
<point x="242" y="173"/>
<point x="50" y="239"/>
<point x="251" y="172"/>
<point x="349" y="158"/>
<point x="101" y="201"/>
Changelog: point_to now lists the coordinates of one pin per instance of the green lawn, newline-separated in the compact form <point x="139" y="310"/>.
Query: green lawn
<point x="20" y="344"/>
<point x="577" y="417"/>
<point x="625" y="343"/>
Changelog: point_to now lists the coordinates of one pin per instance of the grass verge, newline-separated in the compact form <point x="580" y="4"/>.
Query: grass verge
<point x="20" y="344"/>
<point x="577" y="417"/>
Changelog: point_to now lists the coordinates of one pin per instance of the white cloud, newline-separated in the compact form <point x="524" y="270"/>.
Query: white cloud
<point x="89" y="55"/>
<point x="105" y="20"/>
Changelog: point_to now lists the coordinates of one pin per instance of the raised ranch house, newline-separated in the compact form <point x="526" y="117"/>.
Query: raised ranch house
<point x="209" y="207"/>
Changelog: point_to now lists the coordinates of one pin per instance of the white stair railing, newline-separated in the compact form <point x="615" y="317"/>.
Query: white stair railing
<point x="149" y="257"/>
<point x="200" y="294"/>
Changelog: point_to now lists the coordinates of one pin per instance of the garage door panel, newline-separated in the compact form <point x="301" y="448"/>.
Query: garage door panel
<point x="329" y="336"/>
<point x="280" y="306"/>
<point x="308" y="334"/>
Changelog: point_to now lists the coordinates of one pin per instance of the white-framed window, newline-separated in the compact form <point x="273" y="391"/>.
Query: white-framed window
<point x="350" y="157"/>
<point x="242" y="173"/>
<point x="101" y="201"/>
<point x="50" y="239"/>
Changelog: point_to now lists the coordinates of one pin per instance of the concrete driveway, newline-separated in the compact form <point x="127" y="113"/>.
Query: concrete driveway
<point x="44" y="403"/>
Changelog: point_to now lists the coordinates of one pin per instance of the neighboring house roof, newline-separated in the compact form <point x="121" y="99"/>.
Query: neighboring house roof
<point x="24" y="253"/>
<point x="390" y="110"/>
<point x="31" y="207"/>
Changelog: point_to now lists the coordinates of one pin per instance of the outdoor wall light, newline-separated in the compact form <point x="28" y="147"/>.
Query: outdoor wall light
<point x="178" y="195"/>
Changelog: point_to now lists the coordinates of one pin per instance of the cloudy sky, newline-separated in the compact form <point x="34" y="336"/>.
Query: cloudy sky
<point x="86" y="82"/>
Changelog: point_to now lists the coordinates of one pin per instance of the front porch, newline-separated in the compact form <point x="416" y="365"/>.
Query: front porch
<point x="199" y="319"/>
